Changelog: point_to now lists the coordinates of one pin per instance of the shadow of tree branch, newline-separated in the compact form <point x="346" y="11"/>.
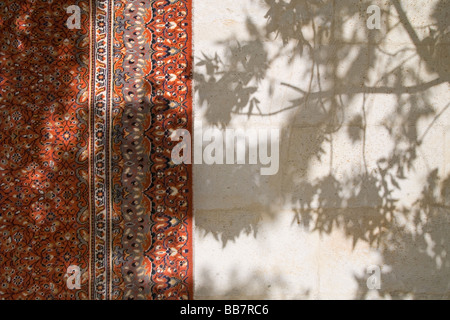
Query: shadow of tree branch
<point x="363" y="205"/>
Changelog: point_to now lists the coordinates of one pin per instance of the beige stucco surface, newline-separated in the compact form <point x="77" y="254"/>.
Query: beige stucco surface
<point x="364" y="174"/>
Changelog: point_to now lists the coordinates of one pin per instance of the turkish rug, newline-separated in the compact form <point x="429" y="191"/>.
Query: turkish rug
<point x="91" y="204"/>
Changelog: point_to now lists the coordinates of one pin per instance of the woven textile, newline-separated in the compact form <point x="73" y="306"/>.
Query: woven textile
<point x="88" y="191"/>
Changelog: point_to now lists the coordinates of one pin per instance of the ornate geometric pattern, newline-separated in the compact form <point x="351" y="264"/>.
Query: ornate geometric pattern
<point x="86" y="177"/>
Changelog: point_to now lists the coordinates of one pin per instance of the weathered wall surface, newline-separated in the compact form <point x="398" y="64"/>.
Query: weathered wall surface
<point x="364" y="174"/>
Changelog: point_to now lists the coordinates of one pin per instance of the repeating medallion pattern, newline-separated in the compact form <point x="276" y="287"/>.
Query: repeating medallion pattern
<point x="85" y="172"/>
<point x="152" y="205"/>
<point x="101" y="75"/>
<point x="44" y="168"/>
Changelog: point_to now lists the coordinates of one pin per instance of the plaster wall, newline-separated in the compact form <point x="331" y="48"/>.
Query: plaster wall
<point x="364" y="174"/>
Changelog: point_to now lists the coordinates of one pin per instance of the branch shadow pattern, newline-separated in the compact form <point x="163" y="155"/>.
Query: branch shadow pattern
<point x="363" y="205"/>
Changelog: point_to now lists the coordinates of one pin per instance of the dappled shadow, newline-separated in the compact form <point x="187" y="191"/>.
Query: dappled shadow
<point x="423" y="240"/>
<point x="344" y="69"/>
<point x="44" y="192"/>
<point x="257" y="286"/>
